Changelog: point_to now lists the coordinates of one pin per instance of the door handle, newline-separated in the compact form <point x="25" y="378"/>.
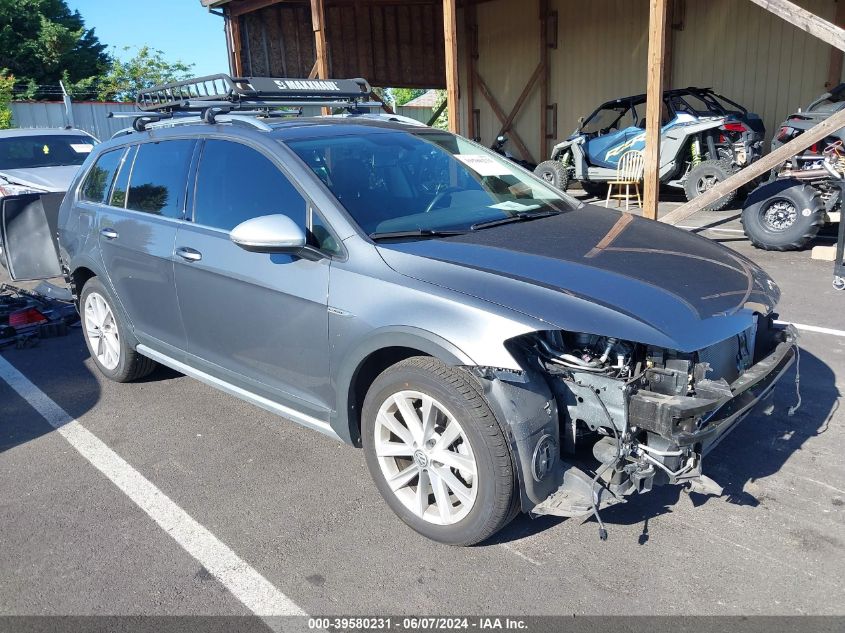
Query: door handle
<point x="188" y="254"/>
<point x="109" y="234"/>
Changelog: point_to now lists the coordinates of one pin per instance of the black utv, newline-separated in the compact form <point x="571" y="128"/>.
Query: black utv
<point x="786" y="212"/>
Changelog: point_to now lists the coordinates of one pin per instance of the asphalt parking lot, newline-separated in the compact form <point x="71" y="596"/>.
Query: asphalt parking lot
<point x="300" y="509"/>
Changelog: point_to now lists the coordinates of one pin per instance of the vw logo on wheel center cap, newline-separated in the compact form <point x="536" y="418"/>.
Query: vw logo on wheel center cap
<point x="421" y="458"/>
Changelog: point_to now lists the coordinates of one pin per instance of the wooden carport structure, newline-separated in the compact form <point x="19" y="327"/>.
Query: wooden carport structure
<point x="415" y="43"/>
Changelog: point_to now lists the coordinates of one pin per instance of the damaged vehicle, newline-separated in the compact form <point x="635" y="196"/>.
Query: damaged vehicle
<point x="495" y="346"/>
<point x="39" y="160"/>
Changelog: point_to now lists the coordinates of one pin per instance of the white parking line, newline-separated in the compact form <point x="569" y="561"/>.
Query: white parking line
<point x="244" y="582"/>
<point x="814" y="328"/>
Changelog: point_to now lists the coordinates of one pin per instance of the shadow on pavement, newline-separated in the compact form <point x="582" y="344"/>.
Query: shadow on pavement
<point x="59" y="367"/>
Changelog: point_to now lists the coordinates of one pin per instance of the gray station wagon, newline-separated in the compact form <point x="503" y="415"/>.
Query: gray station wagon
<point x="494" y="346"/>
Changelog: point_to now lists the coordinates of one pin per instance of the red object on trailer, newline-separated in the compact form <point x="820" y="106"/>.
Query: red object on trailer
<point x="27" y="316"/>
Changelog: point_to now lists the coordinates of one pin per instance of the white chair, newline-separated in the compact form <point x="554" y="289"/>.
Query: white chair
<point x="629" y="173"/>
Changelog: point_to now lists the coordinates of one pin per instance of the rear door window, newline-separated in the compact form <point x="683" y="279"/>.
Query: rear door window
<point x="236" y="183"/>
<point x="98" y="181"/>
<point x="158" y="182"/>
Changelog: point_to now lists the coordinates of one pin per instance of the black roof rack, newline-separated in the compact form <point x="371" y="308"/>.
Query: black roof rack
<point x="256" y="93"/>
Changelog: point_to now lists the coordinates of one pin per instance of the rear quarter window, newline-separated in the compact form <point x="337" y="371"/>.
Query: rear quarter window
<point x="98" y="181"/>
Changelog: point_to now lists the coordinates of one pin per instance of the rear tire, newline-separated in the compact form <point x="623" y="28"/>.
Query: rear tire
<point x="554" y="173"/>
<point x="783" y="215"/>
<point x="108" y="337"/>
<point x="704" y="176"/>
<point x="461" y="456"/>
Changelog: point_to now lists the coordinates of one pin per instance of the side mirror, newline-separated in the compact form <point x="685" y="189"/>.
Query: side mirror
<point x="269" y="234"/>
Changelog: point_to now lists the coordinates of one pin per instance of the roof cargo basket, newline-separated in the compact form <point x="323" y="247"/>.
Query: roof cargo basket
<point x="258" y="93"/>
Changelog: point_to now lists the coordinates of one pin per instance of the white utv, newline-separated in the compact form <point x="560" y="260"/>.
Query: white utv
<point x="702" y="141"/>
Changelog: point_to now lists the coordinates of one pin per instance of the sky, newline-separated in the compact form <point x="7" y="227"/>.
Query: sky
<point x="183" y="29"/>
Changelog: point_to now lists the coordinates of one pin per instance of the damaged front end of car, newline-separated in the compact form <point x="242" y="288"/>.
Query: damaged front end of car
<point x="593" y="419"/>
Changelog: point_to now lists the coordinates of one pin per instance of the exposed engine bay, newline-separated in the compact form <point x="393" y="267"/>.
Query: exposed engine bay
<point x="636" y="415"/>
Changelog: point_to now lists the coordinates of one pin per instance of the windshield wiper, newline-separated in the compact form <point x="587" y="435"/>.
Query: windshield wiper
<point x="413" y="233"/>
<point x="519" y="217"/>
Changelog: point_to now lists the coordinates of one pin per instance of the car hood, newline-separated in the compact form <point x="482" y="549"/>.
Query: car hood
<point x="44" y="178"/>
<point x="599" y="271"/>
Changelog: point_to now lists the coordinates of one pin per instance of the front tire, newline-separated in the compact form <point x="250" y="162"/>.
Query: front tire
<point x="783" y="215"/>
<point x="107" y="336"/>
<point x="703" y="177"/>
<point x="437" y="453"/>
<point x="553" y="172"/>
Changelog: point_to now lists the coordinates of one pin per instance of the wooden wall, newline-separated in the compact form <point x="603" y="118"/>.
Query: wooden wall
<point x="396" y="44"/>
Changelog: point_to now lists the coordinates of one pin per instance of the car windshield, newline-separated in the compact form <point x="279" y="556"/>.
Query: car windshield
<point x="425" y="182"/>
<point x="603" y="120"/>
<point x="44" y="150"/>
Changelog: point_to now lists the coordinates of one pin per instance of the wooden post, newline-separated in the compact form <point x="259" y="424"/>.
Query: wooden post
<point x="654" y="103"/>
<point x="451" y="40"/>
<point x="318" y="24"/>
<point x="234" y="37"/>
<point x="758" y="168"/>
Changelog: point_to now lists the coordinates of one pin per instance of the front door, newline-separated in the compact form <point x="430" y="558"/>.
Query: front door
<point x="137" y="232"/>
<point x="256" y="320"/>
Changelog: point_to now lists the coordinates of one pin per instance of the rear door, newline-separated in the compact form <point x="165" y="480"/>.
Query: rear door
<point x="256" y="320"/>
<point x="137" y="232"/>
<point x="28" y="248"/>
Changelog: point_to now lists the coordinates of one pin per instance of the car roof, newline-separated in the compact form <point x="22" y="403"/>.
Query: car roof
<point x="41" y="131"/>
<point x="318" y="127"/>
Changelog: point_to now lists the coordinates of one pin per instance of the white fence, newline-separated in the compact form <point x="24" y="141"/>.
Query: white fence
<point x="85" y="115"/>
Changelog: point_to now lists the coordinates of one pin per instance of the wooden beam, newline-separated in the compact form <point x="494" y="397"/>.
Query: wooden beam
<point x="806" y="21"/>
<point x="384" y="106"/>
<point x="500" y="114"/>
<point x="318" y="24"/>
<point x="248" y="6"/>
<point x="508" y="122"/>
<point x="451" y="41"/>
<point x="436" y="114"/>
<point x="654" y="103"/>
<point x="758" y="168"/>
<point x="834" y="68"/>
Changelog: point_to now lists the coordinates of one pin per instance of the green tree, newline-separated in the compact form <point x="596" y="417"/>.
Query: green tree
<point x="146" y="68"/>
<point x="43" y="42"/>
<point x="7" y="84"/>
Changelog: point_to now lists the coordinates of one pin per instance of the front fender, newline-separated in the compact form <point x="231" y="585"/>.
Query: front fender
<point x="561" y="147"/>
<point x="383" y="338"/>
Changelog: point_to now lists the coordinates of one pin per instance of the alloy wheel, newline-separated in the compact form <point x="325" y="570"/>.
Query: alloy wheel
<point x="705" y="183"/>
<point x="779" y="215"/>
<point x="426" y="458"/>
<point x="101" y="331"/>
